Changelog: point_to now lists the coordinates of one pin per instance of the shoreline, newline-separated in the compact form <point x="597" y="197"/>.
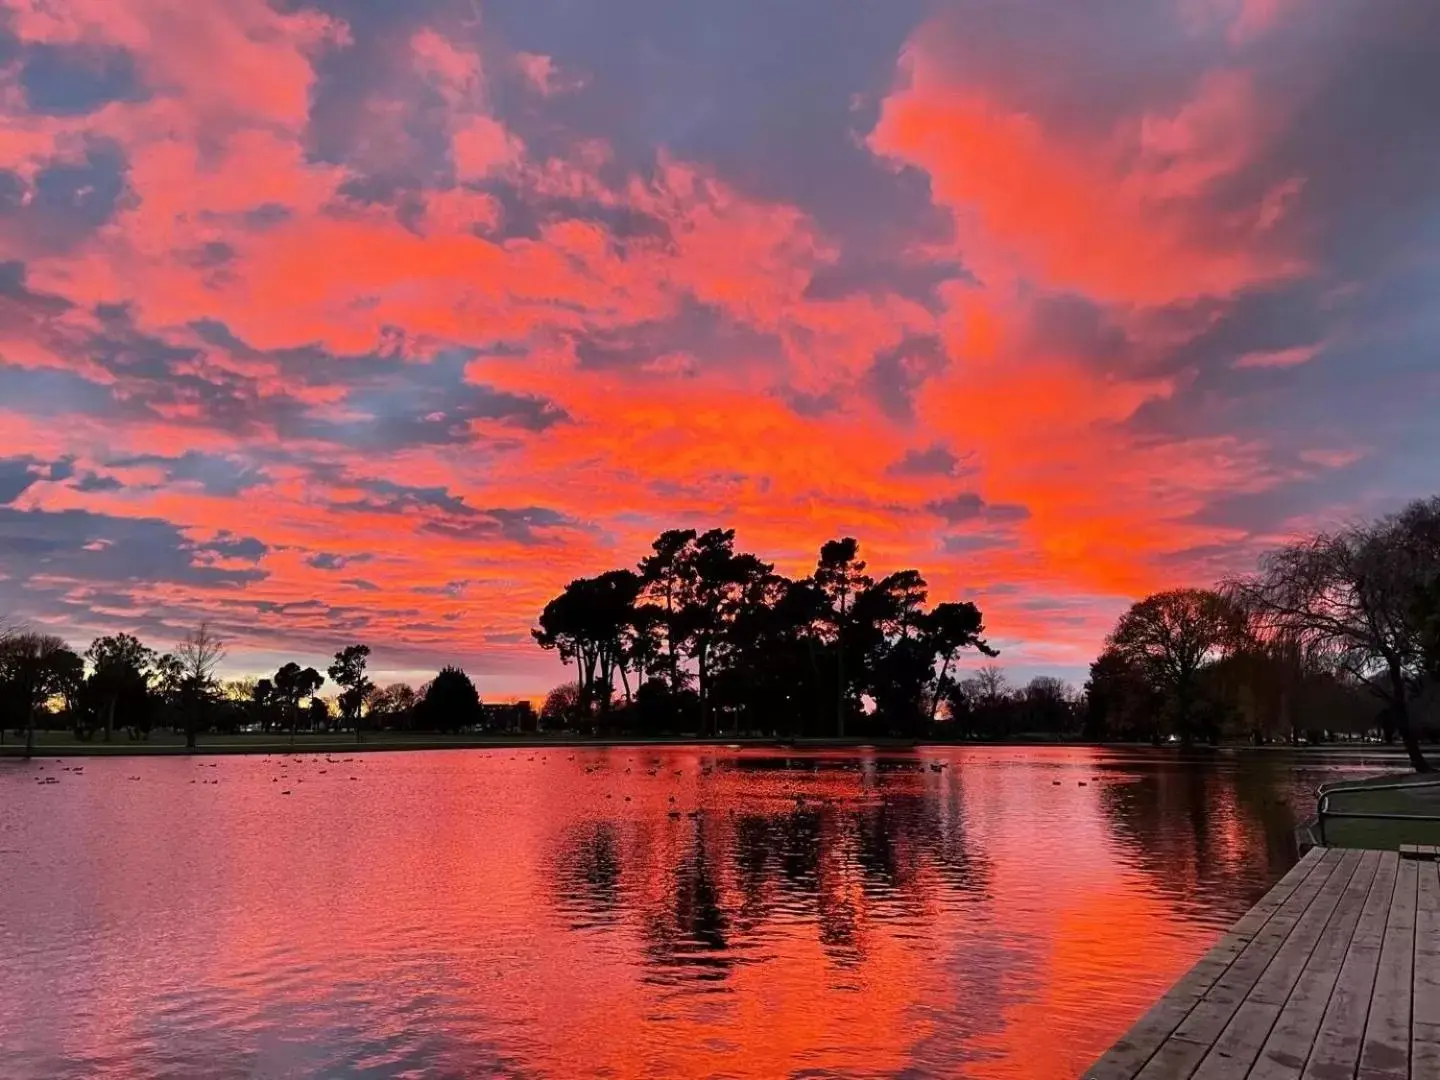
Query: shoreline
<point x="520" y="741"/>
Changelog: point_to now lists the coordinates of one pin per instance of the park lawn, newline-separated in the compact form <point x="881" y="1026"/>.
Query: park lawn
<point x="1413" y="795"/>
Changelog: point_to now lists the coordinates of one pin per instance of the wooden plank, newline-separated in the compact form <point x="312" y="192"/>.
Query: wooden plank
<point x="1337" y="1046"/>
<point x="1207" y="1020"/>
<point x="1288" y="1045"/>
<point x="1425" y="1021"/>
<point x="1386" y="1053"/>
<point x="1274" y="986"/>
<point x="1133" y="1050"/>
<point x="1240" y="1043"/>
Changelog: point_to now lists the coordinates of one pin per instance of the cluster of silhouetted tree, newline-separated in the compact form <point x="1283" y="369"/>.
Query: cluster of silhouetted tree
<point x="702" y="638"/>
<point x="1335" y="633"/>
<point x="120" y="684"/>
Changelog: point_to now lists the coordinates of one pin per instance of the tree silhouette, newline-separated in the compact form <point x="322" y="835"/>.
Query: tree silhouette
<point x="1427" y="617"/>
<point x="197" y="657"/>
<point x="716" y="584"/>
<point x="348" y="672"/>
<point x="1348" y="600"/>
<point x="561" y="705"/>
<point x="1171" y="635"/>
<point x="33" y="668"/>
<point x="120" y="676"/>
<point x="589" y="624"/>
<point x="264" y="703"/>
<point x="451" y="702"/>
<point x="665" y="576"/>
<point x="394" y="705"/>
<point x="1119" y="700"/>
<point x="840" y="575"/>
<point x="951" y="628"/>
<point x="293" y="684"/>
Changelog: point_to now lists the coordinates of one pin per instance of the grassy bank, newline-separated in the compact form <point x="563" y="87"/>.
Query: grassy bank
<point x="1382" y="812"/>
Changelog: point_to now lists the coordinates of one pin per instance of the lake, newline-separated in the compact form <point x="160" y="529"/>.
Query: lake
<point x="632" y="912"/>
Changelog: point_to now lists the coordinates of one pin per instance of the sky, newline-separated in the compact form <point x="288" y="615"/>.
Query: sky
<point x="355" y="320"/>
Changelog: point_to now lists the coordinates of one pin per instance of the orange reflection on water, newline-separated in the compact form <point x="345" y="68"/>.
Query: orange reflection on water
<point x="686" y="912"/>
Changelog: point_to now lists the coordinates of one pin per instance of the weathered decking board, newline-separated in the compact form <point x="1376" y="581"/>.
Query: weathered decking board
<point x="1333" y="975"/>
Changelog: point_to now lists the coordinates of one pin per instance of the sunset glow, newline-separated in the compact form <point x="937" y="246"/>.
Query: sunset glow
<point x="337" y="320"/>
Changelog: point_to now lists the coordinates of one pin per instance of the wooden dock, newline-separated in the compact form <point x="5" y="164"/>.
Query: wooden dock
<point x="1333" y="975"/>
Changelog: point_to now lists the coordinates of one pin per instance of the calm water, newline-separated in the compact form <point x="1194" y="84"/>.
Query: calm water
<point x="687" y="912"/>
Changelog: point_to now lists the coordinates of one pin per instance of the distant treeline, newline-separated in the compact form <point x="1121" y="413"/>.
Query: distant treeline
<point x="120" y="685"/>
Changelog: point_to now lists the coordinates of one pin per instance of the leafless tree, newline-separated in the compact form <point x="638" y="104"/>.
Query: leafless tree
<point x="1347" y="599"/>
<point x="988" y="685"/>
<point x="1172" y="635"/>
<point x="199" y="655"/>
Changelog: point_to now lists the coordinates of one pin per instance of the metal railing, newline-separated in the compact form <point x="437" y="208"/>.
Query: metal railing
<point x="1325" y="811"/>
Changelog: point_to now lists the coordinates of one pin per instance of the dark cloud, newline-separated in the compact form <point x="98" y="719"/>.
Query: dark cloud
<point x="704" y="84"/>
<point x="965" y="543"/>
<point x="94" y="482"/>
<point x="810" y="405"/>
<point x="214" y="473"/>
<point x="66" y="202"/>
<point x="968" y="506"/>
<point x="70" y="80"/>
<point x="361" y="584"/>
<point x="937" y="459"/>
<point x="15" y="293"/>
<point x="878" y="273"/>
<point x="446" y="514"/>
<point x="896" y="375"/>
<point x="1073" y="326"/>
<point x="452" y="589"/>
<point x="1078" y="68"/>
<point x="156" y="379"/>
<point x="229" y="546"/>
<point x="965" y="506"/>
<point x="85" y="546"/>
<point x="212" y="255"/>
<point x="392" y="497"/>
<point x="529" y="525"/>
<point x="373" y="112"/>
<point x="704" y="334"/>
<point x="524" y="214"/>
<point x="432" y="404"/>
<point x="329" y="560"/>
<point x="53" y="392"/>
<point x="398" y="402"/>
<point x="17" y="475"/>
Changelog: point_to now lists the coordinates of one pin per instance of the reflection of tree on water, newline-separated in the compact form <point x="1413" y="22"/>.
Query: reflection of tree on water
<point x="691" y="931"/>
<point x="715" y="890"/>
<point x="587" y="875"/>
<point x="1199" y="825"/>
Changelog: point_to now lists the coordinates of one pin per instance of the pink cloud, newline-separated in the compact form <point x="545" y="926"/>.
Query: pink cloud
<point x="1278" y="358"/>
